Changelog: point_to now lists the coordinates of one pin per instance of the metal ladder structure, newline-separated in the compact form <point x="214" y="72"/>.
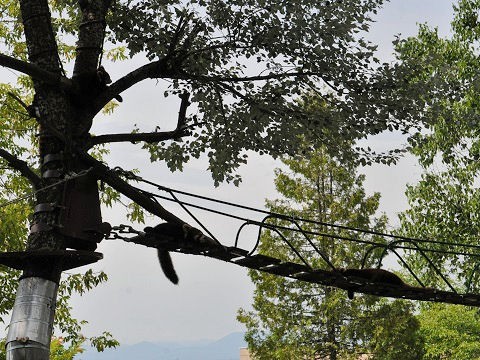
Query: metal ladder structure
<point x="296" y="268"/>
<point x="300" y="271"/>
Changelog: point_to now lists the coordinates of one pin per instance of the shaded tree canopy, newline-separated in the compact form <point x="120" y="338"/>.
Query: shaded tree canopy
<point x="445" y="73"/>
<point x="444" y="204"/>
<point x="244" y="66"/>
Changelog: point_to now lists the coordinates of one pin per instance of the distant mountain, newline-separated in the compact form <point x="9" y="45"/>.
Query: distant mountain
<point x="227" y="348"/>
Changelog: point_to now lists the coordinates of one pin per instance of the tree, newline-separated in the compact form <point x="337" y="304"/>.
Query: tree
<point x="243" y="65"/>
<point x="444" y="72"/>
<point x="444" y="204"/>
<point x="59" y="351"/>
<point x="404" y="339"/>
<point x="296" y="320"/>
<point x="450" y="332"/>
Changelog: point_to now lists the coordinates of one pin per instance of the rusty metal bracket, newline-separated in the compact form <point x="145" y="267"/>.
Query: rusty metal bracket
<point x="49" y="174"/>
<point x="63" y="259"/>
<point x="52" y="157"/>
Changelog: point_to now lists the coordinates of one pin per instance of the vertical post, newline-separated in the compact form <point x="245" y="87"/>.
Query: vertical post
<point x="55" y="225"/>
<point x="31" y="324"/>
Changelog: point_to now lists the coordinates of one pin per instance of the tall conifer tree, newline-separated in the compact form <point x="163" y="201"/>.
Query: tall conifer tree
<point x="296" y="320"/>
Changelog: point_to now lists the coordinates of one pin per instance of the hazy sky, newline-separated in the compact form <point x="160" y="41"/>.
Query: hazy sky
<point x="138" y="303"/>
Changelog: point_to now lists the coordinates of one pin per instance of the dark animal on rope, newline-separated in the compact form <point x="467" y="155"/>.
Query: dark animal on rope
<point x="170" y="233"/>
<point x="374" y="276"/>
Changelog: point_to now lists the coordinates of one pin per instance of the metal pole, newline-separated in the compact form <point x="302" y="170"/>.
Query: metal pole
<point x="31" y="326"/>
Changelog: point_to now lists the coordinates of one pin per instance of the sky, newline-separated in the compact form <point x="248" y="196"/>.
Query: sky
<point x="138" y="303"/>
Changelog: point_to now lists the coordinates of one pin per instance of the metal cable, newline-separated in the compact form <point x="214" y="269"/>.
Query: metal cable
<point x="316" y="222"/>
<point x="334" y="236"/>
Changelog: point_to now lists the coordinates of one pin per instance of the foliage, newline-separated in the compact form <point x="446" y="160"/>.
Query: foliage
<point x="294" y="319"/>
<point x="450" y="332"/>
<point x="444" y="204"/>
<point x="61" y="351"/>
<point x="404" y="340"/>
<point x="445" y="73"/>
<point x="245" y="64"/>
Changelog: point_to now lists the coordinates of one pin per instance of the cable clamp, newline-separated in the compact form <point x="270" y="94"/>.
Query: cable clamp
<point x="40" y="227"/>
<point x="49" y="174"/>
<point x="44" y="207"/>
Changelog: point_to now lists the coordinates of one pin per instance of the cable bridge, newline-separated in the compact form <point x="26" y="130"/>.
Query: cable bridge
<point x="298" y="267"/>
<point x="295" y="263"/>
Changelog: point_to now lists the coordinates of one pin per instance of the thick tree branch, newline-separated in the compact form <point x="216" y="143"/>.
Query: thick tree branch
<point x="157" y="69"/>
<point x="151" y="137"/>
<point x="135" y="137"/>
<point x="182" y="113"/>
<point x="22" y="167"/>
<point x="111" y="178"/>
<point x="34" y="71"/>
<point x="39" y="35"/>
<point x="91" y="35"/>
<point x="161" y="69"/>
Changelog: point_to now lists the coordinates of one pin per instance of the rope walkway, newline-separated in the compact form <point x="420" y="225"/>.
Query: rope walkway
<point x="297" y="271"/>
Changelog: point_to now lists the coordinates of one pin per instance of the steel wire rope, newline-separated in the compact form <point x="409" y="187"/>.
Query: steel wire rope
<point x="406" y="266"/>
<point x="259" y="223"/>
<point x="152" y="196"/>
<point x="283" y="216"/>
<point x="286" y="217"/>
<point x="386" y="246"/>
<point x="265" y="225"/>
<point x="334" y="236"/>
<point x="430" y="262"/>
<point x="299" y="229"/>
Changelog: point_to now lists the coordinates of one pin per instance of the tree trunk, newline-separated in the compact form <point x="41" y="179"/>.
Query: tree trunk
<point x="55" y="224"/>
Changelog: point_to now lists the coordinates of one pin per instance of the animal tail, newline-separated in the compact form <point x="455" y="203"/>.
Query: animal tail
<point x="351" y="294"/>
<point x="167" y="265"/>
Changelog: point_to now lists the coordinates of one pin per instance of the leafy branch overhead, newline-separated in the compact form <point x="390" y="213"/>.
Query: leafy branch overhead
<point x="249" y="67"/>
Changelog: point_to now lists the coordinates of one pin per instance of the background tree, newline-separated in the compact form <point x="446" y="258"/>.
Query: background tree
<point x="394" y="332"/>
<point x="294" y="319"/>
<point x="444" y="204"/>
<point x="450" y="332"/>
